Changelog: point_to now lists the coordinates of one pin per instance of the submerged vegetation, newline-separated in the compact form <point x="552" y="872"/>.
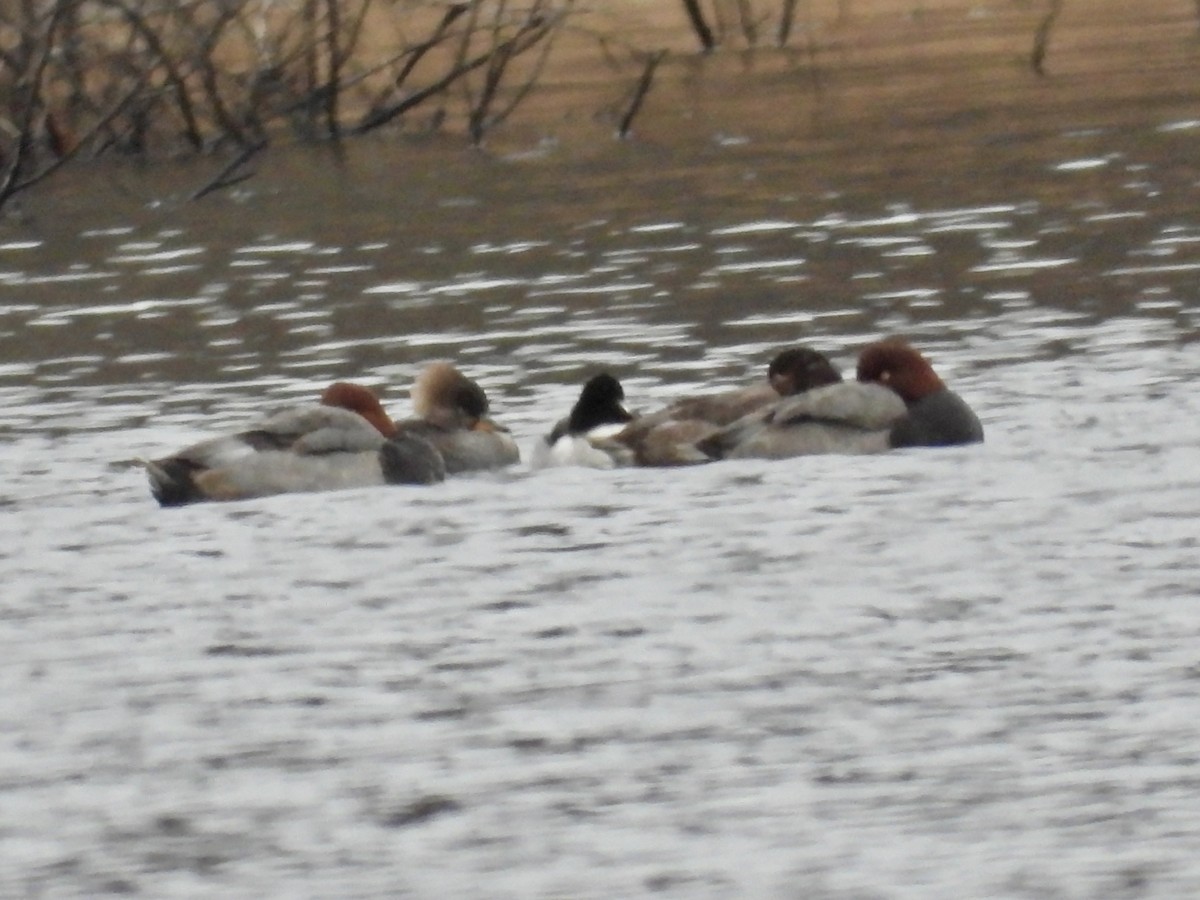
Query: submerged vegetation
<point x="165" y="78"/>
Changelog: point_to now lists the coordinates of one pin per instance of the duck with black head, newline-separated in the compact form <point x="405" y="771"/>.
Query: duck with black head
<point x="579" y="438"/>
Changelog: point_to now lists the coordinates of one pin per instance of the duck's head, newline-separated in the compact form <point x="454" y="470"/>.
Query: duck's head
<point x="446" y="397"/>
<point x="799" y="369"/>
<point x="361" y="400"/>
<point x="895" y="364"/>
<point x="599" y="403"/>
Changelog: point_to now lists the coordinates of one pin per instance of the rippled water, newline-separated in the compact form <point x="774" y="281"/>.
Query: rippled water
<point x="961" y="673"/>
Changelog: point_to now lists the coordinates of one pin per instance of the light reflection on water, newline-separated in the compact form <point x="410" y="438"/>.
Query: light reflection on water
<point x="959" y="673"/>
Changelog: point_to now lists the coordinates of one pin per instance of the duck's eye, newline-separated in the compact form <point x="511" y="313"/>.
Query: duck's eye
<point x="885" y="376"/>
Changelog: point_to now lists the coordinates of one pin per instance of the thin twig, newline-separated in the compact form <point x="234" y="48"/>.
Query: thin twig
<point x="491" y="83"/>
<point x="31" y="103"/>
<point x="452" y="13"/>
<point x="787" y="18"/>
<point x="9" y="190"/>
<point x="411" y="57"/>
<point x="222" y="179"/>
<point x="182" y="99"/>
<point x="478" y="120"/>
<point x="209" y="73"/>
<point x="639" y="94"/>
<point x="534" y="77"/>
<point x="333" y="27"/>
<point x="354" y="30"/>
<point x="525" y="38"/>
<point x="466" y="41"/>
<point x="748" y="22"/>
<point x="311" y="64"/>
<point x="703" y="32"/>
<point x="1042" y="38"/>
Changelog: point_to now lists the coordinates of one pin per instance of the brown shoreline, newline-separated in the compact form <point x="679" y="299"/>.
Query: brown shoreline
<point x="877" y="95"/>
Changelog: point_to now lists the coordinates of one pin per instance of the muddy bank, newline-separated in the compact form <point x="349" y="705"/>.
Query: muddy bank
<point x="879" y="90"/>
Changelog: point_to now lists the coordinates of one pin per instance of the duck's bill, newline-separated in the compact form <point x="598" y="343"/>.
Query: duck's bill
<point x="487" y="425"/>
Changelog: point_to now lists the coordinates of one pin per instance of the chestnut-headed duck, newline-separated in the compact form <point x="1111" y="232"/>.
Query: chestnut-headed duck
<point x="935" y="416"/>
<point x="579" y="439"/>
<point x="362" y="400"/>
<point x="308" y="448"/>
<point x="451" y="414"/>
<point x="898" y="401"/>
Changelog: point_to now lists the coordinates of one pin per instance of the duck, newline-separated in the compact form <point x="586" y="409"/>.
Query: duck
<point x="896" y="401"/>
<point x="845" y="417"/>
<point x="451" y="414"/>
<point x="789" y="372"/>
<point x="670" y="436"/>
<point x="579" y="438"/>
<point x="362" y="400"/>
<point x="346" y="440"/>
<point x="935" y="416"/>
<point x="314" y="447"/>
<point x="601" y="433"/>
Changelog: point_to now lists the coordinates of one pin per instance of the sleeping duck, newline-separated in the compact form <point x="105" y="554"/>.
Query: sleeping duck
<point x="601" y="433"/>
<point x="307" y="448"/>
<point x="898" y="401"/>
<point x="451" y="414"/>
<point x="934" y="415"/>
<point x="346" y="441"/>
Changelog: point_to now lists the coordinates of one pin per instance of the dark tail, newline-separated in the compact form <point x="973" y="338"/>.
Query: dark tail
<point x="171" y="482"/>
<point x="714" y="446"/>
<point x="409" y="459"/>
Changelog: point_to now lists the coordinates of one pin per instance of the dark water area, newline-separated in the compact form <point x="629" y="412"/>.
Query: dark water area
<point x="961" y="673"/>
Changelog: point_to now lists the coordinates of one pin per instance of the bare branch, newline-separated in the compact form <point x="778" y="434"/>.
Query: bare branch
<point x="703" y="32"/>
<point x="1042" y="37"/>
<point x="12" y="187"/>
<point x="225" y="178"/>
<point x="528" y="35"/>
<point x="640" y="92"/>
<point x="334" y="60"/>
<point x="30" y="105"/>
<point x="191" y="128"/>
<point x="532" y="79"/>
<point x="787" y="19"/>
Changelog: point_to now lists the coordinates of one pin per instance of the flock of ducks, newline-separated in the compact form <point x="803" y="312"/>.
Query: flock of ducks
<point x="348" y="440"/>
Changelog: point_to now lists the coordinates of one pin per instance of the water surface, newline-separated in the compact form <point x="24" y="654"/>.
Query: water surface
<point x="959" y="673"/>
